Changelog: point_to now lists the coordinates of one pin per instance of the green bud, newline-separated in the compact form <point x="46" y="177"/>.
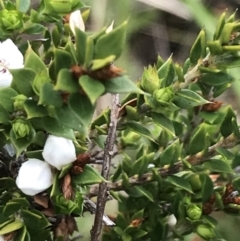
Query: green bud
<point x="164" y="95"/>
<point x="130" y="139"/>
<point x="60" y="6"/>
<point x="194" y="211"/>
<point x="19" y="101"/>
<point x="206" y="231"/>
<point x="150" y="80"/>
<point x="195" y="182"/>
<point x="21" y="128"/>
<point x="11" y="20"/>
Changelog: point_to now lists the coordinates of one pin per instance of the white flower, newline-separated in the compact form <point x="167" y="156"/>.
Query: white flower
<point x="34" y="177"/>
<point x="1" y="238"/>
<point x="10" y="58"/>
<point x="59" y="151"/>
<point x="76" y="21"/>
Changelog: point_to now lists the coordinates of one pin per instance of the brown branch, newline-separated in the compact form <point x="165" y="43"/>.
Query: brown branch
<point x="107" y="157"/>
<point x="194" y="160"/>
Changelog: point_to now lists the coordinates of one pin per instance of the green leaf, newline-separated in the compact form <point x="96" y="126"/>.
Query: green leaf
<point x="187" y="99"/>
<point x="83" y="108"/>
<point x="22" y="235"/>
<point x="11" y="227"/>
<point x="66" y="82"/>
<point x="138" y="215"/>
<point x="140" y="129"/>
<point x="139" y="166"/>
<point x="179" y="182"/>
<point x="138" y="234"/>
<point x="198" y="49"/>
<point x="34" y="62"/>
<point x="34" y="110"/>
<point x="69" y="47"/>
<point x="100" y="63"/>
<point x="111" y="43"/>
<point x="219" y="27"/>
<point x="81" y="45"/>
<point x="48" y="96"/>
<point x="88" y="176"/>
<point x="7" y="98"/>
<point x="121" y="84"/>
<point x="162" y="121"/>
<point x="216" y="79"/>
<point x="227" y="125"/>
<point x="89" y="52"/>
<point x="170" y="154"/>
<point x="14" y="205"/>
<point x="199" y="140"/>
<point x="62" y="60"/>
<point x="34" y="28"/>
<point x="22" y="81"/>
<point x="34" y="219"/>
<point x="40" y="79"/>
<point x="91" y="87"/>
<point x="64" y="170"/>
<point x="139" y="191"/>
<point x="69" y="118"/>
<point x="53" y="126"/>
<point x="217" y="165"/>
<point x="166" y="73"/>
<point x="207" y="187"/>
<point x="11" y="208"/>
<point x="23" y="5"/>
<point x="4" y="116"/>
<point x="227" y="31"/>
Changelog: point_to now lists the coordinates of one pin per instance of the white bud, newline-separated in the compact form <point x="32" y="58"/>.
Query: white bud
<point x="59" y="151"/>
<point x="34" y="177"/>
<point x="151" y="165"/>
<point x="110" y="27"/>
<point x="76" y="21"/>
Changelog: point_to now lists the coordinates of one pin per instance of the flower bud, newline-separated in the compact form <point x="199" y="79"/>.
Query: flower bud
<point x="11" y="20"/>
<point x="59" y="151"/>
<point x="61" y="7"/>
<point x="150" y="80"/>
<point x="206" y="231"/>
<point x="163" y="96"/>
<point x="76" y="21"/>
<point x="34" y="176"/>
<point x="130" y="139"/>
<point x="194" y="212"/>
<point x="195" y="182"/>
<point x="21" y="128"/>
<point x="19" y="101"/>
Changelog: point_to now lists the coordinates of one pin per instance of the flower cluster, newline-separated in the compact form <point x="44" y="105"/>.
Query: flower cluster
<point x="35" y="175"/>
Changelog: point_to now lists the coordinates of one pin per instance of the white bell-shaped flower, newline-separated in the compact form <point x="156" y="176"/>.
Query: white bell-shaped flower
<point x="76" y="21"/>
<point x="10" y="58"/>
<point x="59" y="151"/>
<point x="34" y="177"/>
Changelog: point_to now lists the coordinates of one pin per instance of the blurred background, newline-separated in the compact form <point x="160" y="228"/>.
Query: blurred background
<point x="162" y="27"/>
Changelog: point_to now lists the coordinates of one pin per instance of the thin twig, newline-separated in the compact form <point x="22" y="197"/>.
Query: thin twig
<point x="91" y="207"/>
<point x="107" y="157"/>
<point x="197" y="159"/>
